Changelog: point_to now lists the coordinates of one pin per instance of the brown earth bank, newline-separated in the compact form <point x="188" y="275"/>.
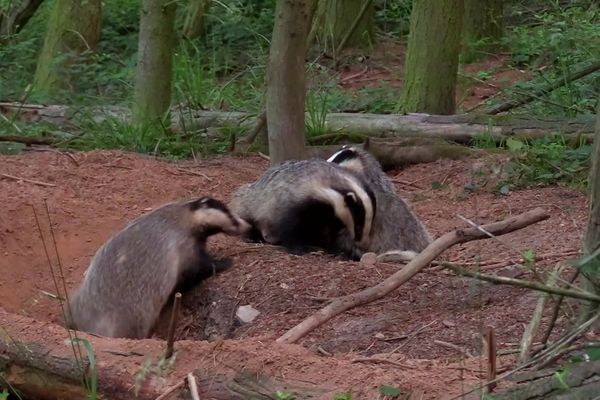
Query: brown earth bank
<point x="95" y="194"/>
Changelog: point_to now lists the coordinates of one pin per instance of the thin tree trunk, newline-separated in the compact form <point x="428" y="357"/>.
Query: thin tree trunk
<point x="483" y="20"/>
<point x="193" y="26"/>
<point x="152" y="93"/>
<point x="591" y="241"/>
<point x="73" y="28"/>
<point x="13" y="21"/>
<point x="286" y="81"/>
<point x="432" y="58"/>
<point x="339" y="27"/>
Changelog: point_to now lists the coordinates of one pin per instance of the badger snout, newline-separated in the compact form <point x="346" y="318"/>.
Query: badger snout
<point x="241" y="228"/>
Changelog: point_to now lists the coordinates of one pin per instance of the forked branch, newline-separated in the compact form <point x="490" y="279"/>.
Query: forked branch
<point x="344" y="303"/>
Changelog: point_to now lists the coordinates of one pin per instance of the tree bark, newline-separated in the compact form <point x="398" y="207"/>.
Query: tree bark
<point x="346" y="23"/>
<point x="286" y="81"/>
<point x="13" y="21"/>
<point x="432" y="56"/>
<point x="483" y="20"/>
<point x="73" y="28"/>
<point x="193" y="26"/>
<point x="152" y="92"/>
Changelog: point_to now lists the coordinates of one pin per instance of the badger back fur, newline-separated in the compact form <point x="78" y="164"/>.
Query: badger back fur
<point x="308" y="204"/>
<point x="133" y="275"/>
<point x="396" y="226"/>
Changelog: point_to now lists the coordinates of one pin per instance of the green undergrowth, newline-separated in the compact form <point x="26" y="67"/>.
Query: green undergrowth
<point x="542" y="161"/>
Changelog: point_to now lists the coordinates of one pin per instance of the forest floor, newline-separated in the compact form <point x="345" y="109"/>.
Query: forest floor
<point x="95" y="194"/>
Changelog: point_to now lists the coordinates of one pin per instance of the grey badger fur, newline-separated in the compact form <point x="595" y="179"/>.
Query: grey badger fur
<point x="396" y="227"/>
<point x="133" y="275"/>
<point x="304" y="205"/>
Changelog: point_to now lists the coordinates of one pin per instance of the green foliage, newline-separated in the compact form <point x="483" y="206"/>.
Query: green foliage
<point x="284" y="395"/>
<point x="316" y="113"/>
<point x="393" y="17"/>
<point x="390" y="392"/>
<point x="162" y="366"/>
<point x="547" y="161"/>
<point x="554" y="42"/>
<point x="4" y="394"/>
<point x="343" y="396"/>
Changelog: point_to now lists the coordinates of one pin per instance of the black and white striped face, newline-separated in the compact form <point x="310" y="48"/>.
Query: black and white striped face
<point x="213" y="216"/>
<point x="348" y="157"/>
<point x="354" y="204"/>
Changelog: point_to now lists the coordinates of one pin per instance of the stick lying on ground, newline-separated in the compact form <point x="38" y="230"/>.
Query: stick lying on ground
<point x="423" y="259"/>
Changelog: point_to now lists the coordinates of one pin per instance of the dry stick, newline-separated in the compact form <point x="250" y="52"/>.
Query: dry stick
<point x="555" y="313"/>
<point x="27" y="140"/>
<point x="423" y="259"/>
<point x="17" y="178"/>
<point x="172" y="325"/>
<point x="509" y="105"/>
<point x="171" y="390"/>
<point x="380" y="360"/>
<point x="454" y="347"/>
<point x="577" y="294"/>
<point x="193" y="387"/>
<point x="492" y="368"/>
<point x="534" y="324"/>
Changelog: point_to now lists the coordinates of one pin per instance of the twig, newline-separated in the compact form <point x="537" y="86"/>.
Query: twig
<point x="453" y="346"/>
<point x="492" y="367"/>
<point x="356" y="75"/>
<point x="17" y="178"/>
<point x="171" y="390"/>
<point x="577" y="294"/>
<point x="28" y="140"/>
<point x="438" y="246"/>
<point x="11" y="122"/>
<point x="380" y="360"/>
<point x="264" y="156"/>
<point x="193" y="387"/>
<point x="410" y="337"/>
<point x="187" y="171"/>
<point x="534" y="324"/>
<point x="172" y="325"/>
<point x="555" y="312"/>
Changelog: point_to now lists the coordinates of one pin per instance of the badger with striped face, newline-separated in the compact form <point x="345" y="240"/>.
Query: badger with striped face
<point x="307" y="205"/>
<point x="396" y="227"/>
<point x="134" y="274"/>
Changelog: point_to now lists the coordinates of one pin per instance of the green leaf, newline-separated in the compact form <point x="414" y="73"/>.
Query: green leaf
<point x="389" y="391"/>
<point x="505" y="190"/>
<point x="4" y="395"/>
<point x="529" y="256"/>
<point x="514" y="144"/>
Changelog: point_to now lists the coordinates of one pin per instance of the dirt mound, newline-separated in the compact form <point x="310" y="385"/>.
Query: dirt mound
<point x="93" y="195"/>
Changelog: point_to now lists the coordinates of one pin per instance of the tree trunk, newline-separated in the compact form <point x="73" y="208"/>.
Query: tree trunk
<point x="432" y="58"/>
<point x="483" y="20"/>
<point x="591" y="241"/>
<point x="73" y="28"/>
<point x="286" y="81"/>
<point x="152" y="92"/>
<point x="193" y="26"/>
<point x="340" y="27"/>
<point x="12" y="22"/>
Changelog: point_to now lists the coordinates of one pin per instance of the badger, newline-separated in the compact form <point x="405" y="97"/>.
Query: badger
<point x="396" y="227"/>
<point x="133" y="275"/>
<point x="306" y="205"/>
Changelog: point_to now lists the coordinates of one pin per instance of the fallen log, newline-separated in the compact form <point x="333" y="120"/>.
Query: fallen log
<point x="37" y="361"/>
<point x="438" y="246"/>
<point x="579" y="381"/>
<point x="461" y="128"/>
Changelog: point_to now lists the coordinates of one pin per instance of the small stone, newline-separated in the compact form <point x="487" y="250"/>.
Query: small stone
<point x="247" y="314"/>
<point x="379" y="335"/>
<point x="284" y="286"/>
<point x="368" y="259"/>
<point x="448" y="324"/>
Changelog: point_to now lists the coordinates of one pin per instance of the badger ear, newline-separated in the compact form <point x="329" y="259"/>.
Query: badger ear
<point x="350" y="197"/>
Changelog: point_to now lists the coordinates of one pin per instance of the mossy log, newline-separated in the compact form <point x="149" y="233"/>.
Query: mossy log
<point x="460" y="128"/>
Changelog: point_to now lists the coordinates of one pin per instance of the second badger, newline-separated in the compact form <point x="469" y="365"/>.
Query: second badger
<point x="132" y="276"/>
<point x="308" y="204"/>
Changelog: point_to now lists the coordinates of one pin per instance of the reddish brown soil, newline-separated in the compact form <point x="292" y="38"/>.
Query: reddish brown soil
<point x="97" y="193"/>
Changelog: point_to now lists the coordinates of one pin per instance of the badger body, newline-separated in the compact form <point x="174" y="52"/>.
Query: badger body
<point x="133" y="275"/>
<point x="396" y="227"/>
<point x="306" y="205"/>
